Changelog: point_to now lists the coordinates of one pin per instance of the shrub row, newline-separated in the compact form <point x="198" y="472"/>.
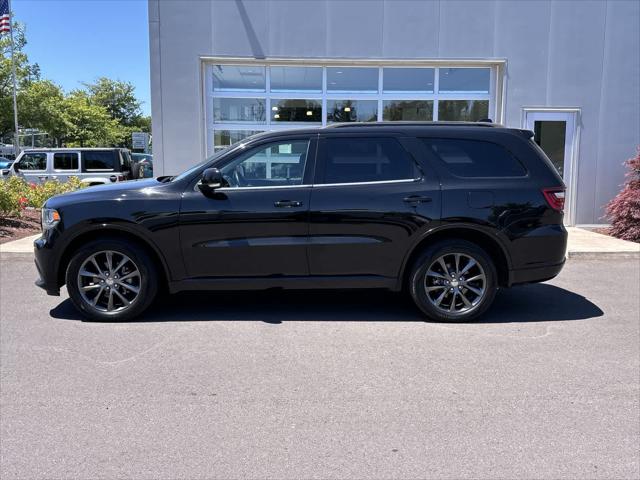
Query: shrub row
<point x="16" y="194"/>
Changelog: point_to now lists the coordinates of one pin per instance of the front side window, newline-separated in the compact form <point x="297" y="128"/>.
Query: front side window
<point x="33" y="161"/>
<point x="475" y="158"/>
<point x="65" y="161"/>
<point x="276" y="164"/>
<point x="98" y="161"/>
<point x="356" y="160"/>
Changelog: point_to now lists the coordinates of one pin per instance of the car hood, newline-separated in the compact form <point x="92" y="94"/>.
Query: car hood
<point x="115" y="191"/>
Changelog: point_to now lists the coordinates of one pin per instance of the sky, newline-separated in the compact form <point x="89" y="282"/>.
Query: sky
<point x="77" y="41"/>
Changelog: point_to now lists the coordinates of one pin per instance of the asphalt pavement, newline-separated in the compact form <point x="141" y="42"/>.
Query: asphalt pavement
<point x="325" y="384"/>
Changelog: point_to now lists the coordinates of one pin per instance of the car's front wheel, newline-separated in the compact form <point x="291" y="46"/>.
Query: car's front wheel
<point x="454" y="281"/>
<point x="111" y="280"/>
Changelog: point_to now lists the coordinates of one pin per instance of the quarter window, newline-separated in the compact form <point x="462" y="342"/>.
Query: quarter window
<point x="98" y="161"/>
<point x="33" y="161"/>
<point x="355" y="160"/>
<point x="475" y="158"/>
<point x="277" y="164"/>
<point x="65" y="161"/>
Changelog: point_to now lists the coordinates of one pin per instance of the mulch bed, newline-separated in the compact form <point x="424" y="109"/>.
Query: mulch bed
<point x="14" y="228"/>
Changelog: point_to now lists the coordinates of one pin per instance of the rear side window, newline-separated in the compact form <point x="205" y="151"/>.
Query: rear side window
<point x="33" y="161"/>
<point x="353" y="160"/>
<point x="65" y="161"/>
<point x="96" y="160"/>
<point x="475" y="158"/>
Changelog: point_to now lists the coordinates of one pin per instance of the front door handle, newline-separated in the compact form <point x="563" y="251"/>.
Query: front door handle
<point x="417" y="199"/>
<point x="287" y="203"/>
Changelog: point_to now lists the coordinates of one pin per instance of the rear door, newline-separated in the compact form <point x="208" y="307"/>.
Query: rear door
<point x="369" y="198"/>
<point x="65" y="165"/>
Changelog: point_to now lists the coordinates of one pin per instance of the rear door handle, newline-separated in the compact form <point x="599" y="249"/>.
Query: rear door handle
<point x="287" y="203"/>
<point x="417" y="199"/>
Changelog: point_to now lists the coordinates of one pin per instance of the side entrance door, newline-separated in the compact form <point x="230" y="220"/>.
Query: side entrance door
<point x="556" y="132"/>
<point x="256" y="225"/>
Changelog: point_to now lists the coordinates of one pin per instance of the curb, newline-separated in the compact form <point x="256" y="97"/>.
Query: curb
<point x="603" y="255"/>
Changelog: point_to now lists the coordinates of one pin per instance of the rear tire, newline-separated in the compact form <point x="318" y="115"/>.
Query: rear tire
<point x="453" y="281"/>
<point x="111" y="280"/>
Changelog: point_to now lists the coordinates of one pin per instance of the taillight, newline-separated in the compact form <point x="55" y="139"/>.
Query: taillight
<point x="554" y="197"/>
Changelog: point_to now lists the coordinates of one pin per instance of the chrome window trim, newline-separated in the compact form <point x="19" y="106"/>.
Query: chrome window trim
<point x="306" y="185"/>
<point x="375" y="182"/>
<point x="266" y="187"/>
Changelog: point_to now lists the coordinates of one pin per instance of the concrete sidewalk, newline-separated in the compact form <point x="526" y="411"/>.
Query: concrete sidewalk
<point x="582" y="242"/>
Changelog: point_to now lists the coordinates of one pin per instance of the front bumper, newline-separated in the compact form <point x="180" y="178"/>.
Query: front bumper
<point x="47" y="280"/>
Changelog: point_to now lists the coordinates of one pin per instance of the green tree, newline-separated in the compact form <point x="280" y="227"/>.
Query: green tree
<point x="41" y="106"/>
<point x="26" y="73"/>
<point x="90" y="125"/>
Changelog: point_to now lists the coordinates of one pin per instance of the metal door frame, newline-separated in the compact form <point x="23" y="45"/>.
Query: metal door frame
<point x="570" y="115"/>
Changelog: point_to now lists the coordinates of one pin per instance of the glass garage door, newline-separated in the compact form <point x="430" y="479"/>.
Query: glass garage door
<point x="242" y="100"/>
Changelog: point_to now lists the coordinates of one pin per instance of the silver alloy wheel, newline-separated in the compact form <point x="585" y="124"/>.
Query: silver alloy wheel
<point x="109" y="281"/>
<point x="455" y="283"/>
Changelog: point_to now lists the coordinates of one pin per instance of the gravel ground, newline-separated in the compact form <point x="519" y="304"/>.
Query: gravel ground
<point x="325" y="385"/>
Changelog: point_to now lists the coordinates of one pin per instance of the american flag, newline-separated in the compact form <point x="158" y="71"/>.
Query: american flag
<point x="5" y="20"/>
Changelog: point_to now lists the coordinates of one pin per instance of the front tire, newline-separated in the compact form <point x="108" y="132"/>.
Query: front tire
<point x="111" y="280"/>
<point x="453" y="281"/>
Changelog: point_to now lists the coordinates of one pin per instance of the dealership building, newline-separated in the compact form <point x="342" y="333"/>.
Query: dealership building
<point x="568" y="70"/>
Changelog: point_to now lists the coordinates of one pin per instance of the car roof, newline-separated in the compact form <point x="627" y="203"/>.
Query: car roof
<point x="71" y="149"/>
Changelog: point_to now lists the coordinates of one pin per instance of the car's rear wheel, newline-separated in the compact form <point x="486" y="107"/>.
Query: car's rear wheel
<point x="454" y="281"/>
<point x="111" y="280"/>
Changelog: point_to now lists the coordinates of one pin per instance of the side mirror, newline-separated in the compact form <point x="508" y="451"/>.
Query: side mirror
<point x="211" y="179"/>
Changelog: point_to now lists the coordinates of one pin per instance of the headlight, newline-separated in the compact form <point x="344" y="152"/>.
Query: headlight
<point x="50" y="218"/>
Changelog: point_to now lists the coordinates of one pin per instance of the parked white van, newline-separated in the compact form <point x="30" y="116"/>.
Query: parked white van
<point x="93" y="166"/>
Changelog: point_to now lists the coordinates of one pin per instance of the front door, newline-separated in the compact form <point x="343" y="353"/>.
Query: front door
<point x="556" y="133"/>
<point x="369" y="198"/>
<point x="257" y="224"/>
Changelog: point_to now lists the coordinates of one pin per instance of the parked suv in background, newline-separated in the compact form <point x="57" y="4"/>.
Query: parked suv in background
<point x="449" y="212"/>
<point x="93" y="166"/>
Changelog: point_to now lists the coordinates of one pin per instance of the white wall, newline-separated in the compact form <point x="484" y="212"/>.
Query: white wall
<point x="559" y="54"/>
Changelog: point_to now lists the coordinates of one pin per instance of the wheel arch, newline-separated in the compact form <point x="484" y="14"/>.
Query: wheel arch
<point x="111" y="232"/>
<point x="494" y="248"/>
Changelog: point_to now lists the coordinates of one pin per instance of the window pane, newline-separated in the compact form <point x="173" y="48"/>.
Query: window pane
<point x="551" y="136"/>
<point x="349" y="79"/>
<point x="65" y="161"/>
<point x="93" y="160"/>
<point x="33" y="161"/>
<point x="465" y="80"/>
<point x="235" y="77"/>
<point x="301" y="79"/>
<point x="225" y="138"/>
<point x="296" y="110"/>
<point x="280" y="163"/>
<point x="408" y="110"/>
<point x="352" y="111"/>
<point x="463" y="110"/>
<point x="366" y="160"/>
<point x="473" y="158"/>
<point x="239" y="110"/>
<point x="407" y="79"/>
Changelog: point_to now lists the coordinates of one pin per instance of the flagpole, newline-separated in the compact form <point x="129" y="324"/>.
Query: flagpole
<point x="16" y="141"/>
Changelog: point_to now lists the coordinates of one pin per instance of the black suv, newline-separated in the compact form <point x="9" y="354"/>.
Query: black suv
<point x="449" y="212"/>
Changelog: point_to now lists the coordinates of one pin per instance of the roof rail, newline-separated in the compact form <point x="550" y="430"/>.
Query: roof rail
<point x="413" y="124"/>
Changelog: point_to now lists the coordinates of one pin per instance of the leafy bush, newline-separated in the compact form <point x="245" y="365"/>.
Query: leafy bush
<point x="13" y="196"/>
<point x="624" y="210"/>
<point x="16" y="194"/>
